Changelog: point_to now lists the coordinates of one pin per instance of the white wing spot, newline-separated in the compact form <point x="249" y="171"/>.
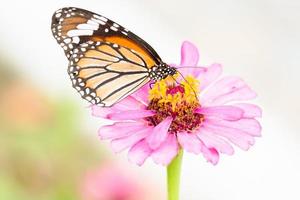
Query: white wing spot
<point x="88" y="26"/>
<point x="81" y="92"/>
<point x="88" y="98"/>
<point x="72" y="33"/>
<point x="92" y="22"/>
<point x="113" y="28"/>
<point x="67" y="41"/>
<point x="76" y="40"/>
<point x="98" y="21"/>
<point x="101" y="18"/>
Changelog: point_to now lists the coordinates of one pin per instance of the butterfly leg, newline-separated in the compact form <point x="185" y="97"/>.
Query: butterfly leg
<point x="151" y="85"/>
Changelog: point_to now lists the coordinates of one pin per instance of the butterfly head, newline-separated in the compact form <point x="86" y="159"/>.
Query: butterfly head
<point x="161" y="71"/>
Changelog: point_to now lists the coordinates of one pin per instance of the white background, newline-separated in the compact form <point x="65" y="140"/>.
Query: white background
<point x="258" y="40"/>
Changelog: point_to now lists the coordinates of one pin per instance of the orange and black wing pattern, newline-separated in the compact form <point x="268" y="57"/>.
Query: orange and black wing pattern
<point x="106" y="61"/>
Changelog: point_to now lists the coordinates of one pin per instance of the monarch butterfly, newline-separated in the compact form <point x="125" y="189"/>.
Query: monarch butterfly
<point x="106" y="61"/>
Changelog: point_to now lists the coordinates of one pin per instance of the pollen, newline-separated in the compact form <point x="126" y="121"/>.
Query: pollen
<point x="178" y="100"/>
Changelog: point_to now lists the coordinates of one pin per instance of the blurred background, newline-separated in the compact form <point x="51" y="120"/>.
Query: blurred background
<point x="49" y="148"/>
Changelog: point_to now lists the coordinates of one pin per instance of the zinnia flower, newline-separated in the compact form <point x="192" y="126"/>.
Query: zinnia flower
<point x="158" y="122"/>
<point x="109" y="182"/>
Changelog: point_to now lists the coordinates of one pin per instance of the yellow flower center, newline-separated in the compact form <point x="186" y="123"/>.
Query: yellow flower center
<point x="179" y="101"/>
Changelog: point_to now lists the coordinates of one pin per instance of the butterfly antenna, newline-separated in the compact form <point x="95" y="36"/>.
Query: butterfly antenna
<point x="191" y="67"/>
<point x="188" y="84"/>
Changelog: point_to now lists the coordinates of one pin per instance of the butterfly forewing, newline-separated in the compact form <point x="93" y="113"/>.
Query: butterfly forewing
<point x="106" y="61"/>
<point x="72" y="26"/>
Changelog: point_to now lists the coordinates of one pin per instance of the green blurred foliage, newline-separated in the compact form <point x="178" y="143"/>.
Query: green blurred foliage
<point x="46" y="162"/>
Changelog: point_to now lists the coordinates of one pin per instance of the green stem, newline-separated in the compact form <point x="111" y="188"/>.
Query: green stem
<point x="173" y="177"/>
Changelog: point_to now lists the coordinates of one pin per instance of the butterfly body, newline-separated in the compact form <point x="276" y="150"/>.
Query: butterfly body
<point x="107" y="62"/>
<point x="161" y="71"/>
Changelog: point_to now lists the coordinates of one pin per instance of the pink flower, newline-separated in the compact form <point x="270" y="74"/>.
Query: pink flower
<point x="158" y="122"/>
<point x="111" y="183"/>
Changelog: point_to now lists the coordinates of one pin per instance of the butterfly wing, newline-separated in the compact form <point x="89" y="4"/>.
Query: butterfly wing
<point x="104" y="73"/>
<point x="106" y="61"/>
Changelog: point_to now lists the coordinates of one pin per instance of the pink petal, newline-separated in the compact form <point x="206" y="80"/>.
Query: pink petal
<point x="189" y="142"/>
<point x="209" y="75"/>
<point x="120" y="129"/>
<point x="250" y="110"/>
<point x="129" y="103"/>
<point x="102" y="112"/>
<point x="189" y="54"/>
<point x="142" y="93"/>
<point x="189" y="71"/>
<point x="226" y="90"/>
<point x="121" y="144"/>
<point x="130" y="115"/>
<point x="139" y="153"/>
<point x="211" y="154"/>
<point x="237" y="137"/>
<point x="213" y="141"/>
<point x="249" y="126"/>
<point x="167" y="151"/>
<point x="223" y="112"/>
<point x="159" y="133"/>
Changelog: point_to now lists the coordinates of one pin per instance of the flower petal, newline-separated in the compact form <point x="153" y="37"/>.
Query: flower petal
<point x="120" y="129"/>
<point x="121" y="144"/>
<point x="166" y="152"/>
<point x="223" y="112"/>
<point x="159" y="133"/>
<point x="142" y="93"/>
<point x="210" y="74"/>
<point x="250" y="110"/>
<point x="139" y="152"/>
<point x="189" y="54"/>
<point x="249" y="126"/>
<point x="102" y="112"/>
<point x="189" y="142"/>
<point x="226" y="90"/>
<point x="189" y="71"/>
<point x="126" y="104"/>
<point x="213" y="141"/>
<point x="130" y="114"/>
<point x="211" y="154"/>
<point x="237" y="137"/>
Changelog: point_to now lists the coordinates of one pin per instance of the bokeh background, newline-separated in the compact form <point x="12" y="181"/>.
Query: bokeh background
<point x="49" y="147"/>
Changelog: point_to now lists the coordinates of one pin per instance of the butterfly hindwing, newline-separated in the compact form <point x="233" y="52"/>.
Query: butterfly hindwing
<point x="104" y="73"/>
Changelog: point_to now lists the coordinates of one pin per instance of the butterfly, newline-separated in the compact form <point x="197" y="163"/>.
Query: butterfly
<point x="107" y="62"/>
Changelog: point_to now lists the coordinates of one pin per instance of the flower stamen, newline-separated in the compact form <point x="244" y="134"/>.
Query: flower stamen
<point x="178" y="101"/>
